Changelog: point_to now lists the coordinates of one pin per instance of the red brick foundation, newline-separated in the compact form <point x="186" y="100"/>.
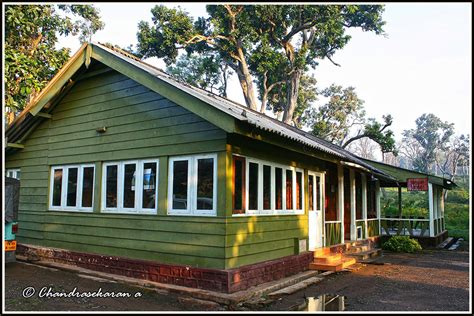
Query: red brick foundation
<point x="227" y="281"/>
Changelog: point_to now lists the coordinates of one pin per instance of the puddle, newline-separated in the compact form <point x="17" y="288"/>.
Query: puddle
<point x="321" y="303"/>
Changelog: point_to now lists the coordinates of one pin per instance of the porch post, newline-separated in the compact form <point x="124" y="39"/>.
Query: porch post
<point x="430" y="203"/>
<point x="441" y="207"/>
<point x="377" y="203"/>
<point x="340" y="198"/>
<point x="353" y="204"/>
<point x="364" y="204"/>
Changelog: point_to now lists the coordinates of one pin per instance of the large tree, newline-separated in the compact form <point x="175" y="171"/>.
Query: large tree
<point x="342" y="120"/>
<point x="31" y="34"/>
<point x="272" y="44"/>
<point x="421" y="144"/>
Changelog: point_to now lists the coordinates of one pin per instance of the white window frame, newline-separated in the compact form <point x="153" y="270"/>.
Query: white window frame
<point x="138" y="207"/>
<point x="13" y="172"/>
<point x="64" y="182"/>
<point x="272" y="210"/>
<point x="191" y="203"/>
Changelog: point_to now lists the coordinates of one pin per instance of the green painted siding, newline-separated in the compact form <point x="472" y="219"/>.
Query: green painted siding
<point x="140" y="124"/>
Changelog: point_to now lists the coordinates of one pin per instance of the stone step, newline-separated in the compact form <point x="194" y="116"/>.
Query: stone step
<point x="365" y="255"/>
<point x="445" y="243"/>
<point x="328" y="258"/>
<point x="335" y="266"/>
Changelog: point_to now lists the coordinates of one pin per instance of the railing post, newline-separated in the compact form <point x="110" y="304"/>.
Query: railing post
<point x="364" y="204"/>
<point x="431" y="210"/>
<point x="340" y="196"/>
<point x="377" y="203"/>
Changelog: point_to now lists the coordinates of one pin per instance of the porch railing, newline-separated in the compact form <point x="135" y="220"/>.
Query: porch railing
<point x="373" y="227"/>
<point x="333" y="233"/>
<point x="418" y="227"/>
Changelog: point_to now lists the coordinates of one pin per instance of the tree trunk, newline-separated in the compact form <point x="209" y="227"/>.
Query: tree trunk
<point x="246" y="82"/>
<point x="293" y="84"/>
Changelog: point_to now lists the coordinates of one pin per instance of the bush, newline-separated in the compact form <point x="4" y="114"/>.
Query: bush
<point x="401" y="244"/>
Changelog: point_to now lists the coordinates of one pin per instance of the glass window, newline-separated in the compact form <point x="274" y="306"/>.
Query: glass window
<point x="311" y="192"/>
<point x="289" y="189"/>
<point x="253" y="186"/>
<point x="192" y="188"/>
<point x="299" y="190"/>
<point x="149" y="185"/>
<point x="267" y="186"/>
<point x="180" y="184"/>
<point x="129" y="185"/>
<point x="71" y="187"/>
<point x="278" y="188"/>
<point x="239" y="185"/>
<point x="57" y="186"/>
<point x="111" y="186"/>
<point x="87" y="186"/>
<point x="205" y="184"/>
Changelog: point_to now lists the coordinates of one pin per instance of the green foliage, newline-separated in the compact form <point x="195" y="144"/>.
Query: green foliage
<point x="31" y="34"/>
<point x="430" y="136"/>
<point x="344" y="110"/>
<point x="457" y="219"/>
<point x="273" y="45"/>
<point x="414" y="203"/>
<point x="206" y="71"/>
<point x="401" y="244"/>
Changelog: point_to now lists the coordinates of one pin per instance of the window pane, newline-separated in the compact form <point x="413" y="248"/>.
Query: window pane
<point x="18" y="175"/>
<point x="311" y="193"/>
<point x="180" y="185"/>
<point x="149" y="185"/>
<point x="71" y="187"/>
<point x="87" y="186"/>
<point x="238" y="181"/>
<point x="253" y="186"/>
<point x="129" y="185"/>
<point x="318" y="193"/>
<point x="57" y="186"/>
<point x="299" y="186"/>
<point x="278" y="188"/>
<point x="205" y="184"/>
<point x="111" y="191"/>
<point x="289" y="189"/>
<point x="266" y="187"/>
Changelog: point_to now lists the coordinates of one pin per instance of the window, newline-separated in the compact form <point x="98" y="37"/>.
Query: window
<point x="72" y="188"/>
<point x="192" y="185"/>
<point x="130" y="187"/>
<point x="268" y="188"/>
<point x="238" y="200"/>
<point x="13" y="173"/>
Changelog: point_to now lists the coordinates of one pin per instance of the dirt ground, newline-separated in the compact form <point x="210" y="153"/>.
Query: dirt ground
<point x="431" y="281"/>
<point x="437" y="280"/>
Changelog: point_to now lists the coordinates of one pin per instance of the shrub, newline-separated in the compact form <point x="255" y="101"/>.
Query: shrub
<point x="401" y="244"/>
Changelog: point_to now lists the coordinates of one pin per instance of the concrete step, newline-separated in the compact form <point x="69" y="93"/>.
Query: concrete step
<point x="329" y="258"/>
<point x="357" y="249"/>
<point x="366" y="255"/>
<point x="321" y="252"/>
<point x="335" y="266"/>
<point x="295" y="287"/>
<point x="445" y="243"/>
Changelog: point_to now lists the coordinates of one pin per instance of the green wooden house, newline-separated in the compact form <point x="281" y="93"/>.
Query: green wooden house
<point x="126" y="170"/>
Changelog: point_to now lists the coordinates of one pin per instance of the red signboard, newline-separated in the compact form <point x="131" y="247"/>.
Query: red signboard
<point x="420" y="184"/>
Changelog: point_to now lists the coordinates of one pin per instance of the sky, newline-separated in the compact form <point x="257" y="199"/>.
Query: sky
<point x="423" y="64"/>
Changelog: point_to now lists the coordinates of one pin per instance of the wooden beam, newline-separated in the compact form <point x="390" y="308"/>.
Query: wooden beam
<point x="15" y="145"/>
<point x="45" y="115"/>
<point x="340" y="198"/>
<point x="352" y="188"/>
<point x="58" y="81"/>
